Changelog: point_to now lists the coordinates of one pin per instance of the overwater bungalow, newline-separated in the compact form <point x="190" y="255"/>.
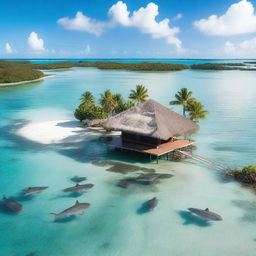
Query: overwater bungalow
<point x="150" y="128"/>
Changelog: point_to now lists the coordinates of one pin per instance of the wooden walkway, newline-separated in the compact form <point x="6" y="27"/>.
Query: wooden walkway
<point x="163" y="149"/>
<point x="204" y="160"/>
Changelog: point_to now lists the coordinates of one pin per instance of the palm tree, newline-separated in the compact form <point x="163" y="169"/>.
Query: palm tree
<point x="87" y="99"/>
<point x="183" y="97"/>
<point x="196" y="110"/>
<point x="108" y="102"/>
<point x="120" y="103"/>
<point x="129" y="104"/>
<point x="140" y="94"/>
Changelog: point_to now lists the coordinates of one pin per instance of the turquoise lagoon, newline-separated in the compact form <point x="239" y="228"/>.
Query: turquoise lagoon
<point x="114" y="224"/>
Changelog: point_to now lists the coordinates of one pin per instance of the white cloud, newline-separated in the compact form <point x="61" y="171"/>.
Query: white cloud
<point x="244" y="49"/>
<point x="87" y="49"/>
<point x="35" y="43"/>
<point x="238" y="19"/>
<point x="8" y="48"/>
<point x="83" y="23"/>
<point x="144" y="19"/>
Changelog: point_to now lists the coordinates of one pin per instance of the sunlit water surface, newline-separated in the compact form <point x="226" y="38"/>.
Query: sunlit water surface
<point x="115" y="224"/>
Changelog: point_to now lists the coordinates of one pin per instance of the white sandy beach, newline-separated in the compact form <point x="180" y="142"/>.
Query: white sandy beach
<point x="59" y="131"/>
<point x="25" y="82"/>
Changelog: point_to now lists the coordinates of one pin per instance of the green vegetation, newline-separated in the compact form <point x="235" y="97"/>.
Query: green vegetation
<point x="140" y="94"/>
<point x="212" y="66"/>
<point x="144" y="66"/>
<point x="87" y="99"/>
<point x="88" y="110"/>
<point x="110" y="104"/>
<point x="194" y="108"/>
<point x="18" y="71"/>
<point x="245" y="175"/>
<point x="94" y="112"/>
<point x="14" y="71"/>
<point x="220" y="66"/>
<point x="182" y="97"/>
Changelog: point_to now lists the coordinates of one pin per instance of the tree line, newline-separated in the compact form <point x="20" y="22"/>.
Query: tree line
<point x="111" y="104"/>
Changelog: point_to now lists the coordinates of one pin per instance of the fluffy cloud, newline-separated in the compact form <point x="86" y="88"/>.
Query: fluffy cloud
<point x="238" y="19"/>
<point x="35" y="43"/>
<point x="8" y="48"/>
<point x="144" y="19"/>
<point x="245" y="49"/>
<point x="83" y="23"/>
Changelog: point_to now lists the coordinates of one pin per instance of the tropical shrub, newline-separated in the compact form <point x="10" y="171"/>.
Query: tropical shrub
<point x="94" y="112"/>
<point x="245" y="175"/>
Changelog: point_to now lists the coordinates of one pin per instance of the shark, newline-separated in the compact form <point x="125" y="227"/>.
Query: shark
<point x="33" y="190"/>
<point x="12" y="205"/>
<point x="206" y="214"/>
<point x="152" y="203"/>
<point x="78" y="188"/>
<point x="73" y="210"/>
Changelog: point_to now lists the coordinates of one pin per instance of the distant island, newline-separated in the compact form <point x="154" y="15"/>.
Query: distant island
<point x="143" y="66"/>
<point x="16" y="72"/>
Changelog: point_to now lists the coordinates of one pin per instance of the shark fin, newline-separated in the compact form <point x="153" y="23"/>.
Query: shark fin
<point x="207" y="209"/>
<point x="77" y="202"/>
<point x="53" y="214"/>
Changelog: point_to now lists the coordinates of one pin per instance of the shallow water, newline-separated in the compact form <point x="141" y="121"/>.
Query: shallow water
<point x="115" y="224"/>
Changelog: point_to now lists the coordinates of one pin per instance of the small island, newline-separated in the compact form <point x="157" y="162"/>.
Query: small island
<point x="222" y="66"/>
<point x="142" y="66"/>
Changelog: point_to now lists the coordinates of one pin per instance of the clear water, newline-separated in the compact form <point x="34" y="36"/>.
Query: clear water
<point x="115" y="224"/>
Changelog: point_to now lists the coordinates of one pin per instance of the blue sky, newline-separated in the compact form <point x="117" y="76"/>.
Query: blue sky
<point x="128" y="29"/>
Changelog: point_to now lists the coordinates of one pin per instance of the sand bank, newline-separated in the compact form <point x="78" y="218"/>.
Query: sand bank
<point x="24" y="82"/>
<point x="59" y="131"/>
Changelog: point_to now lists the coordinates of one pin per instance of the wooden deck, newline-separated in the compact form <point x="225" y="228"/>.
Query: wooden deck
<point x="161" y="150"/>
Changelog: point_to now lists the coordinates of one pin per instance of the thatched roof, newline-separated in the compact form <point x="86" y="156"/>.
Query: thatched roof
<point x="151" y="119"/>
